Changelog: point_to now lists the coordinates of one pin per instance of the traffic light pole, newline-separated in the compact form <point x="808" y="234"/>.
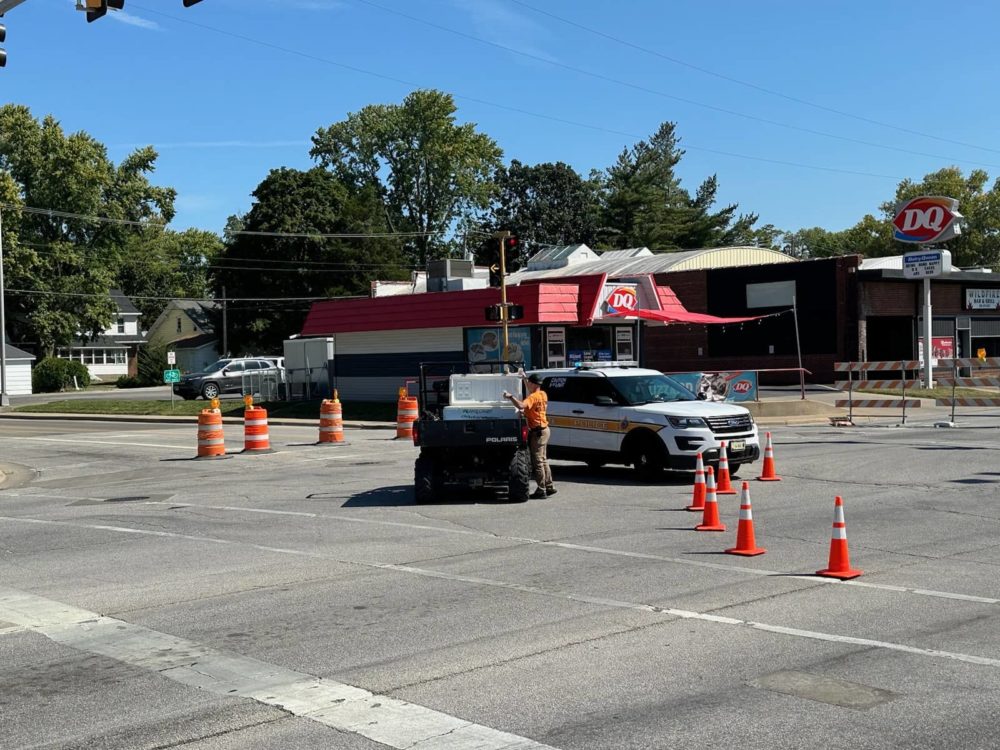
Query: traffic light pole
<point x="4" y="398"/>
<point x="502" y="237"/>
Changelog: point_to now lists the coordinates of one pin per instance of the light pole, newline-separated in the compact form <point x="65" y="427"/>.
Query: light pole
<point x="4" y="398"/>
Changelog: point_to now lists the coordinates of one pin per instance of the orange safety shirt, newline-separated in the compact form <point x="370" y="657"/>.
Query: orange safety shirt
<point x="535" y="407"/>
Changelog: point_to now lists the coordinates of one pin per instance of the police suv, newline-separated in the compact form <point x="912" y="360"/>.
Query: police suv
<point x="618" y="413"/>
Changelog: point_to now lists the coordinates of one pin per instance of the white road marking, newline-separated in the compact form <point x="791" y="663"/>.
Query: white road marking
<point x="600" y="550"/>
<point x="88" y="441"/>
<point x="393" y="722"/>
<point x="600" y="601"/>
<point x="12" y="629"/>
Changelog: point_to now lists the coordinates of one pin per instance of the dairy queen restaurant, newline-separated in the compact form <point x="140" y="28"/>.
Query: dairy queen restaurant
<point x="706" y="311"/>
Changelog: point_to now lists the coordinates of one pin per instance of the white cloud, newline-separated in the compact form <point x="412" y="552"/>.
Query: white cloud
<point x="131" y="20"/>
<point x="501" y="24"/>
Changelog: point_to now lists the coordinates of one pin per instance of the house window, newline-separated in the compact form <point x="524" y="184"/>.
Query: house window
<point x="178" y="324"/>
<point x="119" y="355"/>
<point x="90" y="356"/>
<point x="121" y="325"/>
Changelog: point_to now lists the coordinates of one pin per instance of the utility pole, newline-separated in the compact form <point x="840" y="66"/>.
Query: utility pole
<point x="4" y="398"/>
<point x="225" y="326"/>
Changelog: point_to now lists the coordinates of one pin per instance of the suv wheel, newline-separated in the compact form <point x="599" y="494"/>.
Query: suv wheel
<point x="733" y="468"/>
<point x="646" y="456"/>
<point x="518" y="483"/>
<point x="210" y="391"/>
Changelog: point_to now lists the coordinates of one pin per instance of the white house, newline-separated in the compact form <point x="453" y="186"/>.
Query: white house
<point x="113" y="353"/>
<point x="18" y="371"/>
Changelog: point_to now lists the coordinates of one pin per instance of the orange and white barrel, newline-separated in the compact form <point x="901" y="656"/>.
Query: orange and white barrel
<point x="211" y="440"/>
<point x="255" y="434"/>
<point x="331" y="421"/>
<point x="406" y="415"/>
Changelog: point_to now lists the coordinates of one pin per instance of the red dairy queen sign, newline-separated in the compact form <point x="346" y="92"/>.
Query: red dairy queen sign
<point x="620" y="299"/>
<point x="927" y="219"/>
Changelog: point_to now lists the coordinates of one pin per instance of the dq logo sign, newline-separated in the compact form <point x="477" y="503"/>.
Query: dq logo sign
<point x="620" y="300"/>
<point x="742" y="386"/>
<point x="926" y="219"/>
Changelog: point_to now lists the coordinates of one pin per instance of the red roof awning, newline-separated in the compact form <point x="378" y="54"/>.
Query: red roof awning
<point x="666" y="317"/>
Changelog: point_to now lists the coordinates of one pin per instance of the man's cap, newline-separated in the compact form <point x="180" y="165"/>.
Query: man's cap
<point x="535" y="378"/>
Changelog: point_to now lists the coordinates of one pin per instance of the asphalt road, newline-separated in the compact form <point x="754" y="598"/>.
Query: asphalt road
<point x="300" y="599"/>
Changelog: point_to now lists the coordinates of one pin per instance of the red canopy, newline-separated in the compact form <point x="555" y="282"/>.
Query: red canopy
<point x="679" y="316"/>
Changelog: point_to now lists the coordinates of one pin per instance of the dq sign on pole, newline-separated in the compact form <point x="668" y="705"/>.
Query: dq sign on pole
<point x="927" y="219"/>
<point x="922" y="221"/>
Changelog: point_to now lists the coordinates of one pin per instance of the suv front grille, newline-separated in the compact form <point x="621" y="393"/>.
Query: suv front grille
<point x="735" y="423"/>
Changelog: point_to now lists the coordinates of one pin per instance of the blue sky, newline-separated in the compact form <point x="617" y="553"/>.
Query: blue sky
<point x="228" y="89"/>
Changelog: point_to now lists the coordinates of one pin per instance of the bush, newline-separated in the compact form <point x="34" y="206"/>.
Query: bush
<point x="127" y="381"/>
<point x="152" y="361"/>
<point x="49" y="375"/>
<point x="76" y="370"/>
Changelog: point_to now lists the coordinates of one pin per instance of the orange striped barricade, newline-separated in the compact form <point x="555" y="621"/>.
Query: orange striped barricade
<point x="406" y="415"/>
<point x="255" y="434"/>
<point x="331" y="421"/>
<point x="983" y="380"/>
<point x="211" y="440"/>
<point x="862" y="369"/>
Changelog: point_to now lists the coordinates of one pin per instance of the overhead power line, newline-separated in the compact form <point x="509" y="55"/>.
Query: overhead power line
<point x="55" y="213"/>
<point x="496" y="105"/>
<point x="748" y="84"/>
<point x="664" y="94"/>
<point x="186" y="299"/>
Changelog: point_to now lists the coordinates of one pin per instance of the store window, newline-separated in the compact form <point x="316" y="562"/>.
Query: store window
<point x="589" y="344"/>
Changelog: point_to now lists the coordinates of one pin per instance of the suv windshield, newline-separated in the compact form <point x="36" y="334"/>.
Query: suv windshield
<point x="216" y="366"/>
<point x="645" y="389"/>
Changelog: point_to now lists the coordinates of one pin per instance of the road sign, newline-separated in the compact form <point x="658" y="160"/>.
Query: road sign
<point x="926" y="263"/>
<point x="171" y="376"/>
<point x="171" y="358"/>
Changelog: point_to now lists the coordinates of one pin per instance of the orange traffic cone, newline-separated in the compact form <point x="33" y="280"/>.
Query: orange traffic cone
<point x="698" y="498"/>
<point x="710" y="520"/>
<point x="745" y="542"/>
<point x="768" y="474"/>
<point x="839" y="565"/>
<point x="725" y="484"/>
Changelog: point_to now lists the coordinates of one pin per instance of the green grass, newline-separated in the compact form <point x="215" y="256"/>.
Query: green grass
<point x="357" y="411"/>
<point x="938" y="392"/>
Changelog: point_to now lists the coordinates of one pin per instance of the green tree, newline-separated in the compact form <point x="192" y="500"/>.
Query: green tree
<point x="428" y="171"/>
<point x="255" y="264"/>
<point x="979" y="204"/>
<point x="67" y="264"/>
<point x="545" y="204"/>
<point x="645" y="204"/>
<point x="163" y="263"/>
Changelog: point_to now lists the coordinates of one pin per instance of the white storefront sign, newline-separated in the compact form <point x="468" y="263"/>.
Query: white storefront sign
<point x="982" y="299"/>
<point x="926" y="263"/>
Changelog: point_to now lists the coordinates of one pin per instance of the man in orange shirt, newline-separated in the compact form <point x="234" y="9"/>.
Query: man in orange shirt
<point x="534" y="407"/>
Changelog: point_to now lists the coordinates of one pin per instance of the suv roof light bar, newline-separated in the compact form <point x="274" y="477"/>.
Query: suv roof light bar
<point x="606" y="365"/>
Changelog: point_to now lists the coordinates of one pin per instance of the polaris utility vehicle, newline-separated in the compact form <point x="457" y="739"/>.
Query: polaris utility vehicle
<point x="618" y="413"/>
<point x="470" y="436"/>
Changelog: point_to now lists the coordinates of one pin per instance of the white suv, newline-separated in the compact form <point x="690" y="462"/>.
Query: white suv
<point x="618" y="413"/>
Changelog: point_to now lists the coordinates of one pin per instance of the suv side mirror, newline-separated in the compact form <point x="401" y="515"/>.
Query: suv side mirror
<point x="604" y="401"/>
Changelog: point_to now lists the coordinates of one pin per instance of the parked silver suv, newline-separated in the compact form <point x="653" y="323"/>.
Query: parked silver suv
<point x="226" y="376"/>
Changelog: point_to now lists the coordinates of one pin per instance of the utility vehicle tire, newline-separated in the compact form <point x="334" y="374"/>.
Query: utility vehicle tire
<point x="647" y="456"/>
<point x="424" y="487"/>
<point x="518" y="485"/>
<point x="733" y="468"/>
<point x="210" y="391"/>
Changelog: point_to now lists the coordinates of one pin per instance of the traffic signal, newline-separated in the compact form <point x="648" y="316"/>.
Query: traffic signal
<point x="98" y="8"/>
<point x="3" y="52"/>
